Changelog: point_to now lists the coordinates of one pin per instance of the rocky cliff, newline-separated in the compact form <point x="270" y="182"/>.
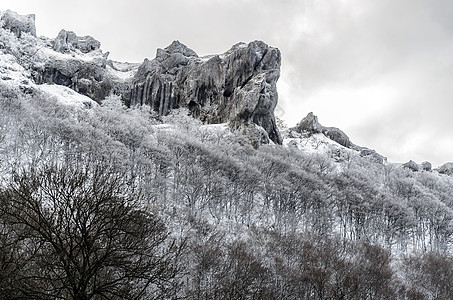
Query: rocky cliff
<point x="238" y="86"/>
<point x="18" y="24"/>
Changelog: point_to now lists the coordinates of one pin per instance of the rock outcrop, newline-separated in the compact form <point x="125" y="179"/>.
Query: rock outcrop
<point x="18" y="23"/>
<point x="238" y="86"/>
<point x="414" y="167"/>
<point x="87" y="78"/>
<point x="372" y="155"/>
<point x="446" y="169"/>
<point x="67" y="41"/>
<point x="311" y="125"/>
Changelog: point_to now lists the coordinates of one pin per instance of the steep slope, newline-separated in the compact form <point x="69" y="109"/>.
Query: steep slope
<point x="315" y="218"/>
<point x="238" y="86"/>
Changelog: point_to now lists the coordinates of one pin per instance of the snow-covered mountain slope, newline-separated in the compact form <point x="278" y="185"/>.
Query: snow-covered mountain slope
<point x="238" y="86"/>
<point x="317" y="217"/>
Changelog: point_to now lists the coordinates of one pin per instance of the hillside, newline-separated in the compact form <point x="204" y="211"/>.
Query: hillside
<point x="171" y="180"/>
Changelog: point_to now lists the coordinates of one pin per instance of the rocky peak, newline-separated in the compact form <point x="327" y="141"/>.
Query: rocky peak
<point x="67" y="41"/>
<point x="238" y="86"/>
<point x="310" y="125"/>
<point x="446" y="169"/>
<point x="178" y="47"/>
<point x="18" y="23"/>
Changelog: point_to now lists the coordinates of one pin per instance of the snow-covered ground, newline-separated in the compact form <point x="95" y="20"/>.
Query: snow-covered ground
<point x="65" y="95"/>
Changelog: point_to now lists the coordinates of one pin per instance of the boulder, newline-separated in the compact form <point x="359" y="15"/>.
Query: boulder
<point x="88" y="79"/>
<point x="18" y="23"/>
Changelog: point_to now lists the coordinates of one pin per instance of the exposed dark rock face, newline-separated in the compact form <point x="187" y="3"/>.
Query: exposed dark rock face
<point x="446" y="169"/>
<point x="86" y="78"/>
<point x="238" y="86"/>
<point x="311" y="125"/>
<point x="18" y="24"/>
<point x="68" y="40"/>
<point x="338" y="136"/>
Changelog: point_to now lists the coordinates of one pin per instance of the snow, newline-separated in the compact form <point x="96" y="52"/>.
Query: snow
<point x="14" y="75"/>
<point x="316" y="143"/>
<point x="10" y="71"/>
<point x="119" y="71"/>
<point x="51" y="54"/>
<point x="120" y="74"/>
<point x="66" y="96"/>
<point x="124" y="66"/>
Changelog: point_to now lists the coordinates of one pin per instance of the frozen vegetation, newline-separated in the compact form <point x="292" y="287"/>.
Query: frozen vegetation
<point x="103" y="201"/>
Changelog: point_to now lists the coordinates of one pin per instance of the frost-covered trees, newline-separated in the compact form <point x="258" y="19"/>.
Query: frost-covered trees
<point x="289" y="225"/>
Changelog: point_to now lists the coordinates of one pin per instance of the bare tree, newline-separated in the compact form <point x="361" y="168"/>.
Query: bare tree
<point x="85" y="239"/>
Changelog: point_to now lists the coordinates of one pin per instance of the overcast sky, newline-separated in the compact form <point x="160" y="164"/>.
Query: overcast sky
<point x="380" y="70"/>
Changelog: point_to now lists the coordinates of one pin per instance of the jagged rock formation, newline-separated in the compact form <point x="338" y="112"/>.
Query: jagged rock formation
<point x="413" y="166"/>
<point x="238" y="86"/>
<point x="68" y="40"/>
<point x="311" y="125"/>
<point x="87" y="78"/>
<point x="18" y="24"/>
<point x="446" y="169"/>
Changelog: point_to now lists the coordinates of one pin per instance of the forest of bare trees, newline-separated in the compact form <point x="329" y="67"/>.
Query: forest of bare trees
<point x="116" y="203"/>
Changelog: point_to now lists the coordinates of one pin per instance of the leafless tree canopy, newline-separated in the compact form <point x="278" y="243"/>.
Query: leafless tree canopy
<point x="78" y="233"/>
